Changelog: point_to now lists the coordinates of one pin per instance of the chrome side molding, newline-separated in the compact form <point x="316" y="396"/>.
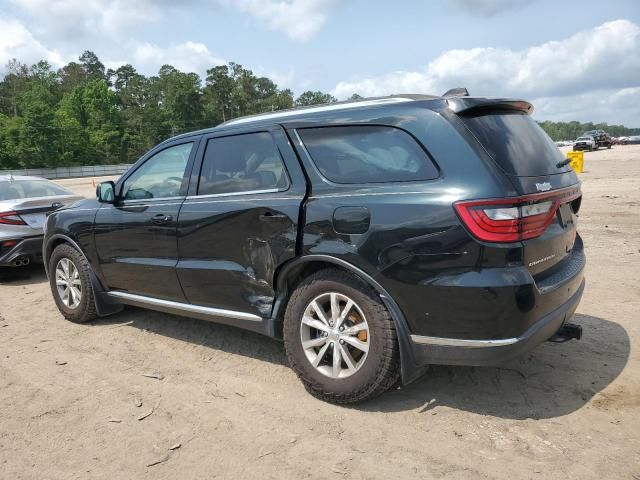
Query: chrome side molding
<point x="157" y="303"/>
<point x="459" y="342"/>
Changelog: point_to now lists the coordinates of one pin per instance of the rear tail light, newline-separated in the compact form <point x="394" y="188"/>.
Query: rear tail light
<point x="11" y="218"/>
<point x="513" y="219"/>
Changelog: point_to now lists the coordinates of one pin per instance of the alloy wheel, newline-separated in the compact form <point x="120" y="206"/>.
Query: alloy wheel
<point x="68" y="283"/>
<point x="335" y="335"/>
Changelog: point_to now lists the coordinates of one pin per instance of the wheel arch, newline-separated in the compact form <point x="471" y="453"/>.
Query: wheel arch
<point x="52" y="243"/>
<point x="293" y="272"/>
<point x="104" y="305"/>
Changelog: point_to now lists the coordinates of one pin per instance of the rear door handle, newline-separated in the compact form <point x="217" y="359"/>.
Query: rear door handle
<point x="161" y="219"/>
<point x="273" y="217"/>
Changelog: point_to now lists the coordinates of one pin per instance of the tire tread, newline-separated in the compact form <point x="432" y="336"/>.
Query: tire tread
<point x="388" y="369"/>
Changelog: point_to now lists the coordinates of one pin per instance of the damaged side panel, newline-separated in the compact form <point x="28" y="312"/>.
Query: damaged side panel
<point x="229" y="250"/>
<point x="230" y="245"/>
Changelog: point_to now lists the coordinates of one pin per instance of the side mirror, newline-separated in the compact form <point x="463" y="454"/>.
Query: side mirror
<point x="106" y="192"/>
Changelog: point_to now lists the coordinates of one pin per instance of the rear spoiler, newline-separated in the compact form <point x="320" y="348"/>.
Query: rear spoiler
<point x="470" y="105"/>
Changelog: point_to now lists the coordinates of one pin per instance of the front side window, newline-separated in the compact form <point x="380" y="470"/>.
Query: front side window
<point x="160" y="176"/>
<point x="242" y="163"/>
<point x="367" y="154"/>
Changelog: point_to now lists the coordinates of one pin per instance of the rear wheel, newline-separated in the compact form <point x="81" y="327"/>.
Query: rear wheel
<point x="340" y="339"/>
<point x="70" y="281"/>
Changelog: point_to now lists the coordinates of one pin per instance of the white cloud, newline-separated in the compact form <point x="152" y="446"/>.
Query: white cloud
<point x="282" y="79"/>
<point x="612" y="106"/>
<point x="17" y="42"/>
<point x="488" y="8"/>
<point x="298" y="19"/>
<point x="73" y="20"/>
<point x="605" y="58"/>
<point x="188" y="57"/>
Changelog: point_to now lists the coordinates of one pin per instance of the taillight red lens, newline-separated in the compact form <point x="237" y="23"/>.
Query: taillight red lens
<point x="11" y="218"/>
<point x="513" y="219"/>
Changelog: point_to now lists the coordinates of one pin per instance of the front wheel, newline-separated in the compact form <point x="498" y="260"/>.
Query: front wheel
<point x="340" y="339"/>
<point x="70" y="281"/>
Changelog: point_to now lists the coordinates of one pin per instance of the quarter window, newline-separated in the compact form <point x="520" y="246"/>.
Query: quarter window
<point x="241" y="163"/>
<point x="367" y="154"/>
<point x="160" y="176"/>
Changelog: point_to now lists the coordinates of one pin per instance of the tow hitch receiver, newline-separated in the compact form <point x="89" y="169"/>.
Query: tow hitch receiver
<point x="567" y="332"/>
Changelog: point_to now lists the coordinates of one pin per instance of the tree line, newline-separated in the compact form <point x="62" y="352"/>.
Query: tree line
<point x="85" y="114"/>
<point x="572" y="130"/>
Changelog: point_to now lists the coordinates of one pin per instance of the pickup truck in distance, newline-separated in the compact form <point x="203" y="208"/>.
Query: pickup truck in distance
<point x="600" y="137"/>
<point x="374" y="237"/>
<point x="584" y="143"/>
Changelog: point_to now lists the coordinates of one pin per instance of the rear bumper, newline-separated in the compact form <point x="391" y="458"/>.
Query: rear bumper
<point x="28" y="247"/>
<point x="446" y="351"/>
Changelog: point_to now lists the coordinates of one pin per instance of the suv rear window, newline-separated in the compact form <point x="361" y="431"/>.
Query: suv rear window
<point x="367" y="154"/>
<point x="517" y="143"/>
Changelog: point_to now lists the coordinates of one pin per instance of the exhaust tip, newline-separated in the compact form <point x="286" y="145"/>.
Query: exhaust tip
<point x="22" y="261"/>
<point x="567" y="332"/>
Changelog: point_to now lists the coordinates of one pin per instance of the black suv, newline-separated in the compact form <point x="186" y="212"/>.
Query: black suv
<point x="375" y="237"/>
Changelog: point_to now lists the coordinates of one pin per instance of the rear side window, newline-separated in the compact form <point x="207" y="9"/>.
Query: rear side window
<point x="517" y="143"/>
<point x="367" y="154"/>
<point x="242" y="163"/>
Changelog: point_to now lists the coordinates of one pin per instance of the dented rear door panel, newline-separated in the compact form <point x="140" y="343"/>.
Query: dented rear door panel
<point x="230" y="245"/>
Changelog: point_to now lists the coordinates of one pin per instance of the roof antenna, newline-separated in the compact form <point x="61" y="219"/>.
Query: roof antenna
<point x="456" y="92"/>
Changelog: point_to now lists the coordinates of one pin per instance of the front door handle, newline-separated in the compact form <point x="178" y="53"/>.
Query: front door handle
<point x="161" y="219"/>
<point x="273" y="217"/>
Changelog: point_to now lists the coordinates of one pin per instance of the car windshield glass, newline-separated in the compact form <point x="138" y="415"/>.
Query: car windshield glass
<point x="18" y="189"/>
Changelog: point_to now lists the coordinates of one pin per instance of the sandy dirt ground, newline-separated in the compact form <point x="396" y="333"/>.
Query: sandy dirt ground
<point x="80" y="401"/>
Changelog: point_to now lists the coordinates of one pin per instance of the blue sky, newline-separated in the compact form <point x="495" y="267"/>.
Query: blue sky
<point x="574" y="59"/>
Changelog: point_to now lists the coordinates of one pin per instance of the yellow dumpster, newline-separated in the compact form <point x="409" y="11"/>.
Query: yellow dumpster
<point x="577" y="160"/>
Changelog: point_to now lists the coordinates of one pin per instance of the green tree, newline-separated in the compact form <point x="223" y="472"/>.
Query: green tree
<point x="94" y="108"/>
<point x="14" y="84"/>
<point x="37" y="132"/>
<point x="180" y="96"/>
<point x="314" y="98"/>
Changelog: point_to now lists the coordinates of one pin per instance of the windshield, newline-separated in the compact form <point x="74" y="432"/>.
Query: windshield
<point x="18" y="189"/>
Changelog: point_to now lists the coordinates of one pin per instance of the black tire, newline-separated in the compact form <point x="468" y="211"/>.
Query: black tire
<point x="380" y="370"/>
<point x="85" y="311"/>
